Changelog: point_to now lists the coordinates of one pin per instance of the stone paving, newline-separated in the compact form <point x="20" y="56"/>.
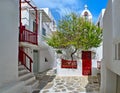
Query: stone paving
<point x="51" y="83"/>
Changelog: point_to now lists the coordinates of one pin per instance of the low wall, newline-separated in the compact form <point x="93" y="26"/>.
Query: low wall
<point x="75" y="72"/>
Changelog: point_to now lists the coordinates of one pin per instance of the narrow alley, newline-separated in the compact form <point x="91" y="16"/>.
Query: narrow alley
<point x="51" y="83"/>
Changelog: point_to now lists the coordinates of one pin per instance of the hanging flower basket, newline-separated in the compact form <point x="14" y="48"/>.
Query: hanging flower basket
<point x="68" y="64"/>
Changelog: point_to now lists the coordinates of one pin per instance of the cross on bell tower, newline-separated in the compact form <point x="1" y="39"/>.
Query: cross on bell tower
<point x="85" y="7"/>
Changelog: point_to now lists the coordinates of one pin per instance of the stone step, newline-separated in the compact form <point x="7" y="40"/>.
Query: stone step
<point x="28" y="78"/>
<point x="34" y="84"/>
<point x="21" y="67"/>
<point x="25" y="76"/>
<point x="22" y="72"/>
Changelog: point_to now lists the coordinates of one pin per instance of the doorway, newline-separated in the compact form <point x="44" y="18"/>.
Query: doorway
<point x="86" y="63"/>
<point x="118" y="84"/>
<point x="35" y="61"/>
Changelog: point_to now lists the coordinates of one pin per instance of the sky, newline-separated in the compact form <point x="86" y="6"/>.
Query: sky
<point x="59" y="8"/>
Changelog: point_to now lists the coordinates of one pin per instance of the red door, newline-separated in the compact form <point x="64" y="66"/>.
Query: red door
<point x="86" y="62"/>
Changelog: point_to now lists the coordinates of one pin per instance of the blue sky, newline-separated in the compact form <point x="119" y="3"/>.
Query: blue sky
<point x="61" y="7"/>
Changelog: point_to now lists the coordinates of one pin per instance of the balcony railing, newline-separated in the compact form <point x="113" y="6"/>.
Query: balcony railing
<point x="28" y="36"/>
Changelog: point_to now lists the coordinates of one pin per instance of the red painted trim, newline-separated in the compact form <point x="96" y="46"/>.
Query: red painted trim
<point x="32" y="37"/>
<point x="68" y="64"/>
<point x="86" y="54"/>
<point x="28" y="36"/>
<point x="86" y="67"/>
<point x="23" y="57"/>
<point x="37" y="26"/>
<point x="86" y="63"/>
<point x="20" y="22"/>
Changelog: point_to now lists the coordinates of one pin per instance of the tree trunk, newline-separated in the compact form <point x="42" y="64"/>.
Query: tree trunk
<point x="73" y="54"/>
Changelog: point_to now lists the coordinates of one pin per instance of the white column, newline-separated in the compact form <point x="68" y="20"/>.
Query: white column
<point x="40" y="31"/>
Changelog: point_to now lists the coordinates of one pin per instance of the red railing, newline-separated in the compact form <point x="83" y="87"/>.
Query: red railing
<point x="25" y="60"/>
<point x="28" y="36"/>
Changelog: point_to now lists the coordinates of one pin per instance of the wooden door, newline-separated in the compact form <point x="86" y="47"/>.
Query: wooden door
<point x="86" y="63"/>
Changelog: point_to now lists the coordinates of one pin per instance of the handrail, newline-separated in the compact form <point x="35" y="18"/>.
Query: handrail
<point x="23" y="59"/>
<point x="28" y="36"/>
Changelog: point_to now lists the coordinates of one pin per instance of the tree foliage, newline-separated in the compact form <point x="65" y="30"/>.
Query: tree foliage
<point x="74" y="30"/>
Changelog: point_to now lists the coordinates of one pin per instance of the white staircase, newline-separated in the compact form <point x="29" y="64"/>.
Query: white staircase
<point x="31" y="84"/>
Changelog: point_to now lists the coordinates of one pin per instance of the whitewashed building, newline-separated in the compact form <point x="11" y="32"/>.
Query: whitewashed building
<point x="46" y="53"/>
<point x="99" y="50"/>
<point x="99" y="23"/>
<point x="110" y="82"/>
<point x="23" y="49"/>
<point x="40" y="23"/>
<point x="9" y="23"/>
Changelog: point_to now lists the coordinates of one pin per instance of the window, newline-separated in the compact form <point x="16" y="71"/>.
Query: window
<point x="115" y="52"/>
<point x="98" y="24"/>
<point x="86" y="15"/>
<point x="44" y="31"/>
<point x="34" y="26"/>
<point x="118" y="51"/>
<point x="46" y="59"/>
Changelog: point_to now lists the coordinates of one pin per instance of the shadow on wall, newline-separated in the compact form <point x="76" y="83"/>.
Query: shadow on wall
<point x="93" y="84"/>
<point x="95" y="71"/>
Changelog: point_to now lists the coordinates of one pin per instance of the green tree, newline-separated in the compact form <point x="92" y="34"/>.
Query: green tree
<point x="75" y="31"/>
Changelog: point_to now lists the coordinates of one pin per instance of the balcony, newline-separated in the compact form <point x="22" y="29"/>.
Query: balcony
<point x="27" y="36"/>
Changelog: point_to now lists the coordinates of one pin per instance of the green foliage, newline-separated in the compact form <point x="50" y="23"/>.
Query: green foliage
<point x="59" y="51"/>
<point x="75" y="31"/>
<point x="91" y="36"/>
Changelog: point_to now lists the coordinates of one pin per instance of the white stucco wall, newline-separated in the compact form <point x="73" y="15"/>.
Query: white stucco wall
<point x="99" y="50"/>
<point x="115" y="64"/>
<point x="25" y="14"/>
<point x="44" y="53"/>
<point x="111" y="35"/>
<point x="51" y="25"/>
<point x="75" y="72"/>
<point x="8" y="40"/>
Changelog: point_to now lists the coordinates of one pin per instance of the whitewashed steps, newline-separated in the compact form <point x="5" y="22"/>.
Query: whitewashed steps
<point x="28" y="77"/>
